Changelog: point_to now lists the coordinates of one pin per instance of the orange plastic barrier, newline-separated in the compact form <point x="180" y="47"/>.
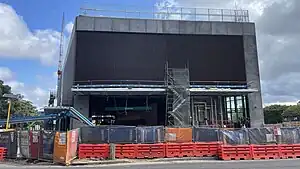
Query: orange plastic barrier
<point x="187" y="149"/>
<point x="239" y="152"/>
<point x="150" y="151"/>
<point x="289" y="151"/>
<point x="98" y="151"/>
<point x="179" y="135"/>
<point x="2" y="153"/>
<point x="209" y="149"/>
<point x="296" y="150"/>
<point x="172" y="150"/>
<point x="266" y="152"/>
<point x="126" y="151"/>
<point x="179" y="150"/>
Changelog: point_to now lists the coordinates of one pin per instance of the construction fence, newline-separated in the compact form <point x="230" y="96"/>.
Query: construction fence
<point x="160" y="134"/>
<point x="144" y="142"/>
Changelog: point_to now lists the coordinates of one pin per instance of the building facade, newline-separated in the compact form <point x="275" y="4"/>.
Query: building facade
<point x="164" y="72"/>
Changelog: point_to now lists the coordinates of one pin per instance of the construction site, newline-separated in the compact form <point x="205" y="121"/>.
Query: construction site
<point x="146" y="85"/>
<point x="164" y="72"/>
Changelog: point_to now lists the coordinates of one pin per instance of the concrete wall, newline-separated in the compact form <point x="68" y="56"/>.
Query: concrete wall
<point x="81" y="103"/>
<point x="247" y="30"/>
<point x="253" y="80"/>
<point x="68" y="73"/>
<point x="85" y="23"/>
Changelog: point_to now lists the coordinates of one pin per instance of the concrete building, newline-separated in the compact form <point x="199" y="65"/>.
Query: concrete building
<point x="164" y="72"/>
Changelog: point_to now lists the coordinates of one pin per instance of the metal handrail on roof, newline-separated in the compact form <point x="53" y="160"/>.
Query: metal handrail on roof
<point x="170" y="13"/>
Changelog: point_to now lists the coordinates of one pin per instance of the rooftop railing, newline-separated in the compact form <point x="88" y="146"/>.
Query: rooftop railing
<point x="170" y="13"/>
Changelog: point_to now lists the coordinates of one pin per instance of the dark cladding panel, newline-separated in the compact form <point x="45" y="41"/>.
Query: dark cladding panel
<point x="209" y="57"/>
<point x="119" y="56"/>
<point x="140" y="56"/>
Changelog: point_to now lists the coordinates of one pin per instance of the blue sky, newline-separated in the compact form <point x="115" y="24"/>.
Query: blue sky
<point x="30" y="69"/>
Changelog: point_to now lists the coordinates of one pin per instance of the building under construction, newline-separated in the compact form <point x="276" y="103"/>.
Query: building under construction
<point x="174" y="69"/>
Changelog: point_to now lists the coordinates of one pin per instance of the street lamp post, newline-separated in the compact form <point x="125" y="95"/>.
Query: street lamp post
<point x="8" y="114"/>
<point x="10" y="98"/>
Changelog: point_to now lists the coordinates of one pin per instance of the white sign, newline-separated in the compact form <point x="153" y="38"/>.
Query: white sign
<point x="73" y="136"/>
<point x="35" y="137"/>
<point x="62" y="139"/>
<point x="12" y="136"/>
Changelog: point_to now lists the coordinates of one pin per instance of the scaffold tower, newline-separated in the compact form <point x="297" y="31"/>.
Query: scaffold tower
<point x="178" y="97"/>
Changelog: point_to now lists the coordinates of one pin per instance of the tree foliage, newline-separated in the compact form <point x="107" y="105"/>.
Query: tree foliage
<point x="24" y="108"/>
<point x="292" y="111"/>
<point x="4" y="89"/>
<point x="19" y="107"/>
<point x="276" y="113"/>
<point x="273" y="114"/>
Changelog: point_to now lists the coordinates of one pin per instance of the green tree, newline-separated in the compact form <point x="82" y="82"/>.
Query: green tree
<point x="292" y="111"/>
<point x="273" y="114"/>
<point x="23" y="107"/>
<point x="19" y="107"/>
<point x="4" y="89"/>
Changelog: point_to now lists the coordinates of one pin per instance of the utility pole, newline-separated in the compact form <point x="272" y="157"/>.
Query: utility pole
<point x="59" y="69"/>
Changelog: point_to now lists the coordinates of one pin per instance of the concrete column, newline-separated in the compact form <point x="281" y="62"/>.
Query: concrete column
<point x="81" y="103"/>
<point x="253" y="81"/>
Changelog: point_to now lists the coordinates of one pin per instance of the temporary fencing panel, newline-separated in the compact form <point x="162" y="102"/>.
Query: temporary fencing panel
<point x="234" y="137"/>
<point x="47" y="145"/>
<point x="24" y="144"/>
<point x="60" y="148"/>
<point x="153" y="134"/>
<point x="35" y="144"/>
<point x="72" y="141"/>
<point x="65" y="147"/>
<point x="8" y="140"/>
<point x="261" y="135"/>
<point x="122" y="134"/>
<point x="94" y="135"/>
<point x="179" y="135"/>
<point x="289" y="135"/>
<point x="205" y="134"/>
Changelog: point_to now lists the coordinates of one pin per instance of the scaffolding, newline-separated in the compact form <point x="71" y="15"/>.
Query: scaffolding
<point x="178" y="97"/>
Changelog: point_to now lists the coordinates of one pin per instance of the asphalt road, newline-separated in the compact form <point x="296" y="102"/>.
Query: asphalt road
<point x="273" y="164"/>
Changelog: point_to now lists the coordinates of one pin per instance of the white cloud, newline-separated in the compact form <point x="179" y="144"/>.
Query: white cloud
<point x="16" y="86"/>
<point x="18" y="41"/>
<point x="281" y="103"/>
<point x="278" y="33"/>
<point x="69" y="27"/>
<point x="55" y="75"/>
<point x="37" y="95"/>
<point x="5" y="73"/>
